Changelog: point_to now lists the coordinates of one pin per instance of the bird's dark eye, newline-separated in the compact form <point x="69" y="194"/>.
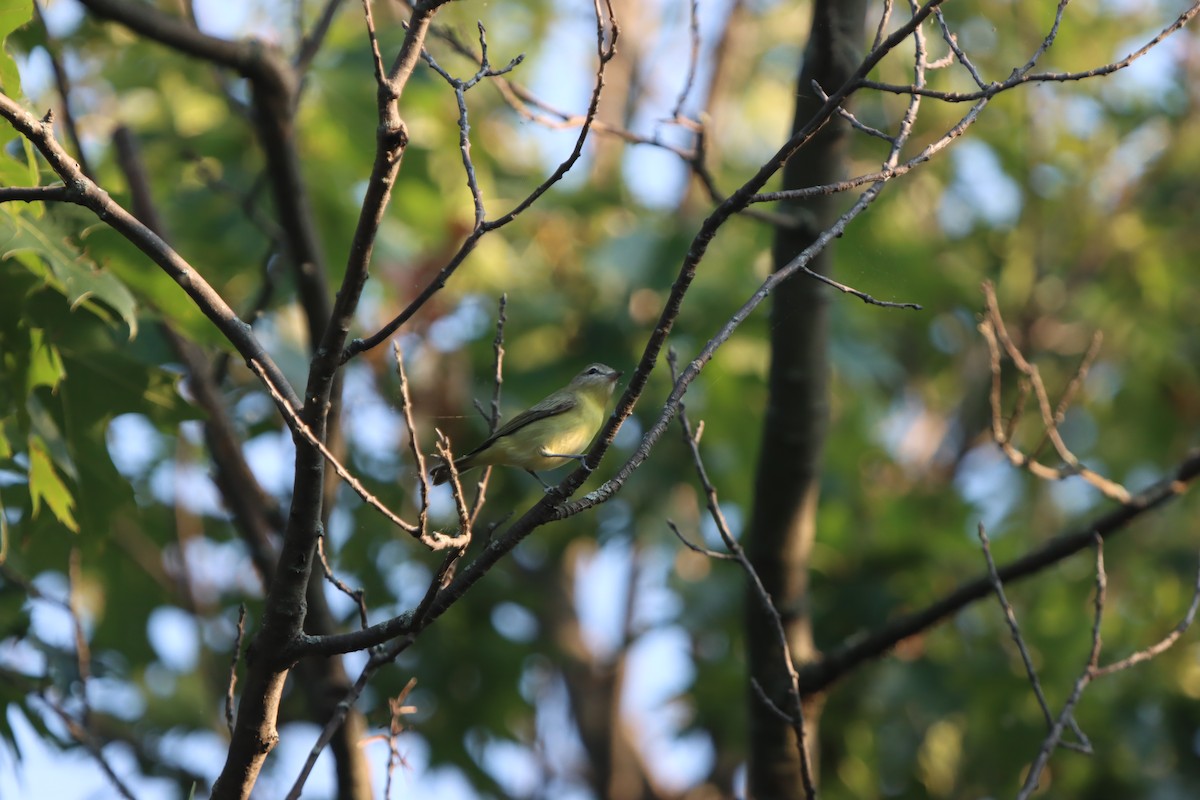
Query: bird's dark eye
<point x="593" y="371"/>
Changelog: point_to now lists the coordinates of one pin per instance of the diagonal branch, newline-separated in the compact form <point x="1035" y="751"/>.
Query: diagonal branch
<point x="794" y="714"/>
<point x="605" y="52"/>
<point x="819" y="676"/>
<point x="80" y="190"/>
<point x="1025" y="74"/>
<point x="548" y="509"/>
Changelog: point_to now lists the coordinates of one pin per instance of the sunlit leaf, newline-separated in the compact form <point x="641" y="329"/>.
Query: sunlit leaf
<point x="74" y="274"/>
<point x="45" y="485"/>
<point x="45" y="363"/>
<point x="13" y="14"/>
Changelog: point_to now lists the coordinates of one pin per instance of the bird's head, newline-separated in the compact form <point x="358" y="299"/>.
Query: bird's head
<point x="596" y="378"/>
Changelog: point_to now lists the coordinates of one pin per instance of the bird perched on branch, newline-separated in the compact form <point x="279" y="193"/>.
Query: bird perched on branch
<point x="548" y="434"/>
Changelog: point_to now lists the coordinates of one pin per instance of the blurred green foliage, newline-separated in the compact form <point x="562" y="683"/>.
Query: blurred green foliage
<point x="1076" y="199"/>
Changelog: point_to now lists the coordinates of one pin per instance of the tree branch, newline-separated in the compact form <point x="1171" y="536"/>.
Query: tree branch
<point x="82" y="191"/>
<point x="820" y="675"/>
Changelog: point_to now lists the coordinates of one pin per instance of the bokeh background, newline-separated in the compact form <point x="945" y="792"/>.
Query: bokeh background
<point x="1078" y="200"/>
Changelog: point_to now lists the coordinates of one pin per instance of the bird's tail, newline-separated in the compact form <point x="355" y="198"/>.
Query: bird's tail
<point x="441" y="473"/>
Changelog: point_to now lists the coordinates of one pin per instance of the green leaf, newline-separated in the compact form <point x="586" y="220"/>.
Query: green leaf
<point x="45" y="484"/>
<point x="32" y="171"/>
<point x="153" y="287"/>
<point x="74" y="273"/>
<point x="45" y="363"/>
<point x="15" y="171"/>
<point x="13" y="14"/>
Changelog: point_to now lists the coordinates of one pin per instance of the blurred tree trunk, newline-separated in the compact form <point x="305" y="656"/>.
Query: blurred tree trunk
<point x="783" y="523"/>
<point x="595" y="684"/>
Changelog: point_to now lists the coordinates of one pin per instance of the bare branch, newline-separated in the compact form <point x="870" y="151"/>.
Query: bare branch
<point x="312" y="42"/>
<point x="82" y="191"/>
<point x="434" y="541"/>
<point x="1162" y="645"/>
<point x="957" y="51"/>
<point x="414" y="445"/>
<point x="376" y="57"/>
<point x="819" y="675"/>
<point x="1050" y="743"/>
<point x="461" y="88"/>
<point x="357" y="595"/>
<point x="460" y="503"/>
<point x="996" y="335"/>
<point x="794" y="715"/>
<point x="695" y="548"/>
<point x="884" y="17"/>
<point x="605" y="52"/>
<point x="693" y="58"/>
<point x="81" y="734"/>
<point x="1024" y="74"/>
<point x="233" y="662"/>
<point x="34" y="194"/>
<point x="1011" y="618"/>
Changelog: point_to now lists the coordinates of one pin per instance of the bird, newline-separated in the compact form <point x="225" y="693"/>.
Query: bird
<point x="549" y="433"/>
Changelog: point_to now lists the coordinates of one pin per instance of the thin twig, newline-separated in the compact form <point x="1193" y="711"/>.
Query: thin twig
<point x="695" y="548"/>
<point x="233" y="662"/>
<point x="414" y="446"/>
<point x="1051" y="742"/>
<point x="854" y="122"/>
<point x="605" y="48"/>
<point x="493" y="416"/>
<point x="1084" y="745"/>
<point x="461" y="87"/>
<point x="1073" y="385"/>
<point x="794" y="715"/>
<point x="693" y="58"/>
<point x="1163" y="644"/>
<point x="880" y="29"/>
<point x="63" y="82"/>
<point x="460" y="502"/>
<point x="357" y="595"/>
<point x="998" y="340"/>
<point x="434" y="541"/>
<point x="952" y="41"/>
<point x="311" y="43"/>
<point x="1024" y="75"/>
<point x="86" y="738"/>
<point x="398" y="706"/>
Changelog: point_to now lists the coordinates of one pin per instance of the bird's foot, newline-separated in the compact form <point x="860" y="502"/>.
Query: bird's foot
<point x="545" y="485"/>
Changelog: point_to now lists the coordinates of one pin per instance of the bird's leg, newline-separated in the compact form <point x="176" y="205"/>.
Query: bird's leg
<point x="580" y="457"/>
<point x="545" y="485"/>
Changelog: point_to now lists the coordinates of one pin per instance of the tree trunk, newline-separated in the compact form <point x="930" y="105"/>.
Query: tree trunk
<point x="783" y="523"/>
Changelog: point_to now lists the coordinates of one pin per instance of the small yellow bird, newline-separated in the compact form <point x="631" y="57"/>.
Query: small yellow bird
<point x="550" y="433"/>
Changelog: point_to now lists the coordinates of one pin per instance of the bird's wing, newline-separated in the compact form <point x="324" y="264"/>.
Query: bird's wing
<point x="552" y="406"/>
